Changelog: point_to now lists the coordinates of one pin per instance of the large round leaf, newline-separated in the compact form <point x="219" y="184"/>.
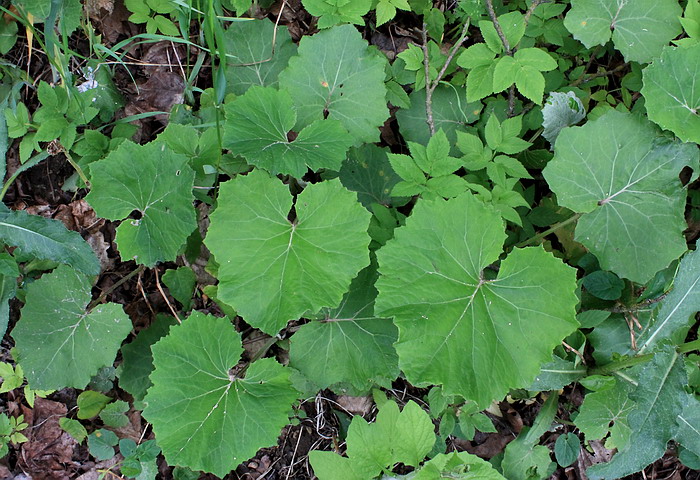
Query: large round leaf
<point x="623" y="175"/>
<point x="335" y="76"/>
<point x="671" y="99"/>
<point x="60" y="344"/>
<point x="639" y="28"/>
<point x="477" y="336"/>
<point x="154" y="181"/>
<point x="272" y="270"/>
<point x="204" y="416"/>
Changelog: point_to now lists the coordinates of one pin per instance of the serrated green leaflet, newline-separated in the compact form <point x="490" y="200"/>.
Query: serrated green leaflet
<point x="623" y="175"/>
<point x="659" y="397"/>
<point x="250" y="57"/>
<point x="335" y="75"/>
<point x="639" y="28"/>
<point x="60" y="344"/>
<point x="671" y="99"/>
<point x="333" y="12"/>
<point x="458" y="327"/>
<point x="154" y="181"/>
<point x="204" y="417"/>
<point x="257" y="125"/>
<point x="451" y="112"/>
<point x="280" y="269"/>
<point x="368" y="172"/>
<point x="349" y="344"/>
<point x="456" y="465"/>
<point x="675" y="315"/>
<point x="47" y="239"/>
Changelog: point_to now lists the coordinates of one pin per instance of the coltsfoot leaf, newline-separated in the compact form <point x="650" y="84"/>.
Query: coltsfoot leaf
<point x="458" y="326"/>
<point x="204" y="416"/>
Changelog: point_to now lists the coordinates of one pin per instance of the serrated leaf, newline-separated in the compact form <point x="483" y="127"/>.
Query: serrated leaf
<point x="137" y="360"/>
<point x="204" y="417"/>
<point x="659" y="397"/>
<point x="451" y="113"/>
<point x="535" y="58"/>
<point x="334" y="74"/>
<point x="670" y="100"/>
<point x="688" y="433"/>
<point x="279" y="270"/>
<point x="623" y="175"/>
<point x="561" y="110"/>
<point x="333" y="12"/>
<point x="368" y="172"/>
<point x="477" y="55"/>
<point x="606" y="411"/>
<point x="113" y="415"/>
<point x="60" y="344"/>
<point x="639" y="29"/>
<point x="530" y="83"/>
<point x="513" y="28"/>
<point x="257" y="125"/>
<point x="676" y="313"/>
<point x="154" y="181"/>
<point x="47" y="239"/>
<point x="456" y="465"/>
<point x="350" y="344"/>
<point x="454" y="323"/>
<point x="480" y="82"/>
<point x="250" y="58"/>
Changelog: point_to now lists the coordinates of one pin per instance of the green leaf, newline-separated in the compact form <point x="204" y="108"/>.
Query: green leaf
<point x="677" y="310"/>
<point x="623" y="176"/>
<point x="530" y="83"/>
<point x="604" y="285"/>
<point x="477" y="55"/>
<point x="659" y="398"/>
<point x="670" y="100"/>
<point x="535" y="58"/>
<point x="335" y="75"/>
<point x="8" y="288"/>
<point x="91" y="403"/>
<point x="493" y="132"/>
<point x="566" y="449"/>
<point x="181" y="283"/>
<point x="250" y="60"/>
<point x="688" y="433"/>
<point x="101" y="444"/>
<point x="385" y="12"/>
<point x="47" y="239"/>
<point x="406" y="168"/>
<point x="357" y="346"/>
<point x="561" y="110"/>
<point x="504" y="73"/>
<point x="454" y="323"/>
<point x="257" y="124"/>
<point x="456" y="465"/>
<point x="280" y="269"/>
<point x="556" y="375"/>
<point x="137" y="360"/>
<point x="158" y="186"/>
<point x="606" y="411"/>
<point x="60" y="344"/>
<point x="480" y="82"/>
<point x="513" y="28"/>
<point x="113" y="414"/>
<point x="368" y="172"/>
<point x="74" y="428"/>
<point x="203" y="415"/>
<point x="394" y="437"/>
<point x="333" y="12"/>
<point x="639" y="29"/>
<point x="451" y="113"/>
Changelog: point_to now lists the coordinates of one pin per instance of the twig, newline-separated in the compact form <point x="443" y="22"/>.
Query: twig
<point x="638" y="306"/>
<point x="552" y="229"/>
<point x="165" y="297"/>
<point x="531" y="10"/>
<point x="572" y="349"/>
<point x="587" y="78"/>
<point x="430" y="86"/>
<point x="104" y="294"/>
<point x="497" y="26"/>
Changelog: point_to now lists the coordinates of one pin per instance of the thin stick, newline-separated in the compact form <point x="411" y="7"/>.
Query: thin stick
<point x="497" y="26"/>
<point x="104" y="294"/>
<point x="530" y="11"/>
<point x="572" y="349"/>
<point x="552" y="229"/>
<point x="165" y="297"/>
<point x="428" y="91"/>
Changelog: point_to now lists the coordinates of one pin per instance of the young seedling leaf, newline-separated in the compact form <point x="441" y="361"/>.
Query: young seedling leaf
<point x="250" y="57"/>
<point x="155" y="182"/>
<point x="60" y="344"/>
<point x="281" y="268"/>
<point x="204" y="415"/>
<point x="561" y="110"/>
<point x="257" y="125"/>
<point x="623" y="175"/>
<point x="670" y="99"/>
<point x="335" y="75"/>
<point x="455" y="323"/>
<point x="349" y="344"/>
<point x="47" y="239"/>
<point x="639" y="29"/>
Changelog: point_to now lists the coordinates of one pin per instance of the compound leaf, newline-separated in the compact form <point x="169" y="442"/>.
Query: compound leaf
<point x="157" y="183"/>
<point x="60" y="344"/>
<point x="671" y="101"/>
<point x="639" y="29"/>
<point x="250" y="58"/>
<point x="47" y="239"/>
<point x="280" y="269"/>
<point x="335" y="76"/>
<point x="457" y="327"/>
<point x="623" y="175"/>
<point x="205" y="417"/>
<point x="350" y="344"/>
<point x="257" y="124"/>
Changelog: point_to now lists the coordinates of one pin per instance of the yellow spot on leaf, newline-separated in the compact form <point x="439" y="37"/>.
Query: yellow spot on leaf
<point x="584" y="23"/>
<point x="324" y="83"/>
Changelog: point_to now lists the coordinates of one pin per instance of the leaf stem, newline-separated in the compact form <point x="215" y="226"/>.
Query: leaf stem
<point x="613" y="367"/>
<point x="552" y="229"/>
<point x="104" y="294"/>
